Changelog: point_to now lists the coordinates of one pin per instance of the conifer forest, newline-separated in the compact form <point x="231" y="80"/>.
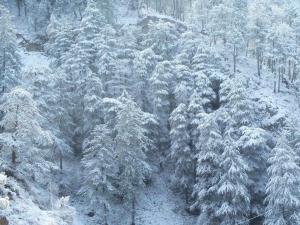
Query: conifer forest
<point x="149" y="112"/>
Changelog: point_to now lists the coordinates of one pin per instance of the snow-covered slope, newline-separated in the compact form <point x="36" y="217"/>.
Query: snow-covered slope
<point x="158" y="205"/>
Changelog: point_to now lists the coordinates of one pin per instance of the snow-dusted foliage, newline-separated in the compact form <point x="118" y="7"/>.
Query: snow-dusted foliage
<point x="22" y="127"/>
<point x="180" y="150"/>
<point x="131" y="145"/>
<point x="10" y="64"/>
<point x="282" y="192"/>
<point x="106" y="102"/>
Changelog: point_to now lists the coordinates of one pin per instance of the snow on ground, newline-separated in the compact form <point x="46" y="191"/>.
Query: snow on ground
<point x="158" y="205"/>
<point x="78" y="220"/>
<point x="34" y="60"/>
<point x="123" y="15"/>
<point x="263" y="88"/>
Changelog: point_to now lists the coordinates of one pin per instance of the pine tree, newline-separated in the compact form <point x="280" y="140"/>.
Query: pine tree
<point x="162" y="95"/>
<point x="196" y="113"/>
<point x="99" y="168"/>
<point x="239" y="105"/>
<point x="24" y="138"/>
<point x="181" y="152"/>
<point x="210" y="145"/>
<point x="162" y="38"/>
<point x="254" y="147"/>
<point x="282" y="199"/>
<point x="91" y="32"/>
<point x="204" y="89"/>
<point x="10" y="62"/>
<point x="184" y="84"/>
<point x="143" y="65"/>
<point x="61" y="37"/>
<point x="258" y="21"/>
<point x="92" y="103"/>
<point x="232" y="187"/>
<point x="131" y="144"/>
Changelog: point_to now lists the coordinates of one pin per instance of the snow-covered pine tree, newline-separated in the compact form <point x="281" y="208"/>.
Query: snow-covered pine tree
<point x="106" y="63"/>
<point x="187" y="46"/>
<point x="196" y="113"/>
<point x="90" y="30"/>
<point x="254" y="147"/>
<point x="73" y="73"/>
<point x="210" y="145"/>
<point x="92" y="103"/>
<point x="131" y="157"/>
<point x="283" y="197"/>
<point x="240" y="107"/>
<point x="162" y="96"/>
<point x="61" y="37"/>
<point x="204" y="89"/>
<point x="143" y="65"/>
<point x="181" y="152"/>
<point x="24" y="139"/>
<point x="98" y="168"/>
<point x="44" y="85"/>
<point x="184" y="84"/>
<point x="162" y="37"/>
<point x="233" y="191"/>
<point x="10" y="62"/>
<point x="131" y="144"/>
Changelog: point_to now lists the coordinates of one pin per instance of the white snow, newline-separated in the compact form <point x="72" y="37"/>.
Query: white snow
<point x="158" y="205"/>
<point x="78" y="220"/>
<point x="34" y="60"/>
<point x="263" y="88"/>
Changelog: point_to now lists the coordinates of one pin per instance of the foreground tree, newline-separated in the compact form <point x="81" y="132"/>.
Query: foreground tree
<point x="10" y="62"/>
<point x="208" y="172"/>
<point x="283" y="196"/>
<point x="181" y="151"/>
<point x="99" y="168"/>
<point x="23" y="137"/>
<point x="232" y="187"/>
<point x="131" y="144"/>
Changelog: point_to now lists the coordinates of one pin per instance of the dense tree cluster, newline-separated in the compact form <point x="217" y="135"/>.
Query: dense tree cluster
<point x="118" y="95"/>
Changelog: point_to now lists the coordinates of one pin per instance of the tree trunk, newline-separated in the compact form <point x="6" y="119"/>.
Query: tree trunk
<point x="19" y="7"/>
<point x="60" y="160"/>
<point x="274" y="86"/>
<point x="258" y="63"/>
<point x="290" y="72"/>
<point x="234" y="59"/>
<point x="13" y="157"/>
<point x="279" y="80"/>
<point x="105" y="214"/>
<point x="3" y="69"/>
<point x="133" y="212"/>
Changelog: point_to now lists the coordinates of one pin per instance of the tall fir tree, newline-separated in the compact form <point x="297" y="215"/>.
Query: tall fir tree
<point x="283" y="197"/>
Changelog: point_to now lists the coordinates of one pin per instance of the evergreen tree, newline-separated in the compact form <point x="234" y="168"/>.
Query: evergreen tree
<point x="163" y="98"/>
<point x="10" y="62"/>
<point x="282" y="199"/>
<point x="61" y="37"/>
<point x="99" y="168"/>
<point x="239" y="105"/>
<point x="210" y="145"/>
<point x="131" y="144"/>
<point x="232" y="187"/>
<point x="25" y="140"/>
<point x="143" y="65"/>
<point x="181" y="152"/>
<point x="254" y="147"/>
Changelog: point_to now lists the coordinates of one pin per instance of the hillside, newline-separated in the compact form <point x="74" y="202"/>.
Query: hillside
<point x="136" y="112"/>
